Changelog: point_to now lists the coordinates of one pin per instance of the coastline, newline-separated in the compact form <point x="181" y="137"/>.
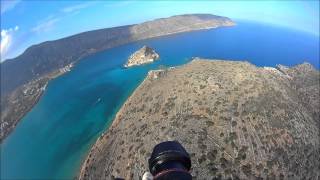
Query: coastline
<point x="115" y="122"/>
<point x="36" y="97"/>
<point x="58" y="72"/>
<point x="171" y="57"/>
<point x="103" y="159"/>
<point x="152" y="74"/>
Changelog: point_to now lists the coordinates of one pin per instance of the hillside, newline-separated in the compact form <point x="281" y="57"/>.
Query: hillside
<point x="236" y="120"/>
<point x="46" y="57"/>
<point x="42" y="62"/>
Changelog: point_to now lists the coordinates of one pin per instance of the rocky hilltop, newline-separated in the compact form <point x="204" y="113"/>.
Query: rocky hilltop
<point x="44" y="61"/>
<point x="142" y="56"/>
<point x="236" y="120"/>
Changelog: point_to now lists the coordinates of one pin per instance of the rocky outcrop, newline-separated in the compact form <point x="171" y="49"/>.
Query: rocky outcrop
<point x="236" y="120"/>
<point x="142" y="56"/>
<point x="38" y="62"/>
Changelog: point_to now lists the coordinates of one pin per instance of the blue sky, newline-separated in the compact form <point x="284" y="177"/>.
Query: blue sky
<point x="24" y="23"/>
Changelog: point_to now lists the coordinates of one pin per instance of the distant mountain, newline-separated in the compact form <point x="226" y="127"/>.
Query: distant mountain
<point x="24" y="78"/>
<point x="236" y="120"/>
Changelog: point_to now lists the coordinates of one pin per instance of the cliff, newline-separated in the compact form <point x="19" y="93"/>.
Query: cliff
<point x="236" y="120"/>
<point x="42" y="62"/>
<point x="142" y="56"/>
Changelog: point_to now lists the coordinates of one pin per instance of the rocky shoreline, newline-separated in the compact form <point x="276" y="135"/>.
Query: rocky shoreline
<point x="142" y="56"/>
<point x="236" y="120"/>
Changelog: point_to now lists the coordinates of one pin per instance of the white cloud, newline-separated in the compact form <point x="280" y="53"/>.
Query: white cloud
<point x="77" y="7"/>
<point x="45" y="25"/>
<point x="8" y="5"/>
<point x="6" y="40"/>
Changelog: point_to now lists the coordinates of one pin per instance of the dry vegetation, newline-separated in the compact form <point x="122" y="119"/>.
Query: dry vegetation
<point x="237" y="121"/>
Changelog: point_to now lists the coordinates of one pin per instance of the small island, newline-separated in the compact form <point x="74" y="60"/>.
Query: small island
<point x="142" y="56"/>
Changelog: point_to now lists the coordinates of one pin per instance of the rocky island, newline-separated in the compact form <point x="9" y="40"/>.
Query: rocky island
<point x="142" y="56"/>
<point x="40" y="63"/>
<point x="236" y="120"/>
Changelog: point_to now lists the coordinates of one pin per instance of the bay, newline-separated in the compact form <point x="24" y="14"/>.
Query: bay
<point x="53" y="139"/>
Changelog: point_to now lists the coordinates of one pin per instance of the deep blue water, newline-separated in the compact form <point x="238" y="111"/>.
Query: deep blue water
<point x="55" y="136"/>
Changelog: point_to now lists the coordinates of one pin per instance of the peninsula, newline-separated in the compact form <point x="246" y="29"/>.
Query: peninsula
<point x="236" y="120"/>
<point x="142" y="56"/>
<point x="42" y="62"/>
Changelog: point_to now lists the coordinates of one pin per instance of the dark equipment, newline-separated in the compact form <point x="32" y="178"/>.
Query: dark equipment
<point x="169" y="160"/>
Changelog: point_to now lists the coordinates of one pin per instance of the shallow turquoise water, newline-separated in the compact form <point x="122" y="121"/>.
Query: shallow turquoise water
<point x="52" y="139"/>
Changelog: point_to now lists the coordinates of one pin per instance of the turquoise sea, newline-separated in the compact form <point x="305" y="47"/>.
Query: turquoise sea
<point x="53" y="139"/>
